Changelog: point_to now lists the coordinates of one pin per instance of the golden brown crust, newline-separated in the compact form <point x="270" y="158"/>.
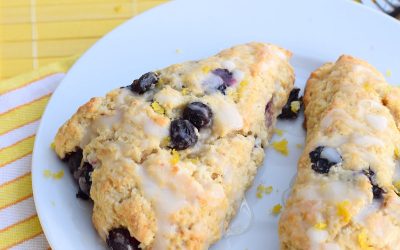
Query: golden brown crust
<point x="350" y="113"/>
<point x="183" y="202"/>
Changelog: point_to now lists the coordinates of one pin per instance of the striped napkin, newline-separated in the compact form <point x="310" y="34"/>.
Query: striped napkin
<point x="22" y="102"/>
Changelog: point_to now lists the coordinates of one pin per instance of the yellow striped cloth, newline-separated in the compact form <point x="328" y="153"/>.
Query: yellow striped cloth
<point x="38" y="32"/>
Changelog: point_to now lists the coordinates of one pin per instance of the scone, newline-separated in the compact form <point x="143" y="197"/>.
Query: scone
<point x="344" y="197"/>
<point x="167" y="159"/>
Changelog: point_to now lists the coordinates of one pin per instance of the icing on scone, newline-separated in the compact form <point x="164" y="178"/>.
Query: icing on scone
<point x="345" y="175"/>
<point x="167" y="159"/>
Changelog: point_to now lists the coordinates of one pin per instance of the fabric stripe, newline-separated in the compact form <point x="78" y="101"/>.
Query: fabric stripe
<point x="16" y="151"/>
<point x="30" y="77"/>
<point x="15" y="190"/>
<point x="38" y="242"/>
<point x="15" y="169"/>
<point x="23" y="114"/>
<point x="17" y="212"/>
<point x="17" y="233"/>
<point x="29" y="93"/>
<point x="18" y="134"/>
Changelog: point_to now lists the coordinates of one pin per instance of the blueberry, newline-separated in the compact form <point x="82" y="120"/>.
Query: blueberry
<point x="222" y="88"/>
<point x="376" y="190"/>
<point x="287" y="112"/>
<point x="183" y="134"/>
<point x="84" y="178"/>
<point x="73" y="159"/>
<point x="144" y="83"/>
<point x="120" y="239"/>
<point x="269" y="114"/>
<point x="199" y="114"/>
<point x="227" y="78"/>
<point x="323" y="158"/>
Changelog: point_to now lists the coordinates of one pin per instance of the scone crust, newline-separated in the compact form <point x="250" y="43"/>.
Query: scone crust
<point x="139" y="184"/>
<point x="349" y="107"/>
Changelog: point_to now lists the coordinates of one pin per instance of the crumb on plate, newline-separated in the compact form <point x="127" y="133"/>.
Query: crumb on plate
<point x="281" y="146"/>
<point x="276" y="209"/>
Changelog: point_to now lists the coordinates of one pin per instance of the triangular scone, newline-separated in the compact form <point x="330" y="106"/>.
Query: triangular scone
<point x="174" y="152"/>
<point x="344" y="195"/>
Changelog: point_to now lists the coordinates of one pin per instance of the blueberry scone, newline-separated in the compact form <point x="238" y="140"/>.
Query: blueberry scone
<point x="167" y="159"/>
<point x="344" y="197"/>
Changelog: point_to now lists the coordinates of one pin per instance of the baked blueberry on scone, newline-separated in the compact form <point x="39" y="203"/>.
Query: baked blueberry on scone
<point x="167" y="159"/>
<point x="344" y="197"/>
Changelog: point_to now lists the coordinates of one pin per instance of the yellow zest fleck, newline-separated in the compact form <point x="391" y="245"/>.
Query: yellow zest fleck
<point x="278" y="131"/>
<point x="178" y="51"/>
<point x="47" y="173"/>
<point x="281" y="146"/>
<point x="240" y="88"/>
<point x="388" y="73"/>
<point x="368" y="87"/>
<point x="397" y="152"/>
<point x="299" y="145"/>
<point x="53" y="146"/>
<point x="175" y="157"/>
<point x="56" y="176"/>
<point x="343" y="210"/>
<point x="261" y="190"/>
<point x="185" y="91"/>
<point x="206" y="69"/>
<point x="295" y="106"/>
<point x="195" y="160"/>
<point x="363" y="240"/>
<point x="157" y="108"/>
<point x="320" y="226"/>
<point x="276" y="209"/>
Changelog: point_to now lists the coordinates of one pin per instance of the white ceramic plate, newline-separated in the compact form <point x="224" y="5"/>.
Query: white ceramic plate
<point x="316" y="31"/>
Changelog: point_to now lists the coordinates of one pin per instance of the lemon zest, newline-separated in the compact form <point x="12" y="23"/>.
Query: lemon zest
<point x="195" y="160"/>
<point x="261" y="190"/>
<point x="241" y="87"/>
<point x="320" y="226"/>
<point x="397" y="152"/>
<point x="47" y="173"/>
<point x="295" y="106"/>
<point x="281" y="146"/>
<point x="53" y="146"/>
<point x="206" y="69"/>
<point x="299" y="145"/>
<point x="58" y="175"/>
<point x="157" y="108"/>
<point x="276" y="209"/>
<point x="343" y="210"/>
<point x="185" y="91"/>
<point x="363" y="240"/>
<point x="368" y="87"/>
<point x="388" y="73"/>
<point x="175" y="157"/>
